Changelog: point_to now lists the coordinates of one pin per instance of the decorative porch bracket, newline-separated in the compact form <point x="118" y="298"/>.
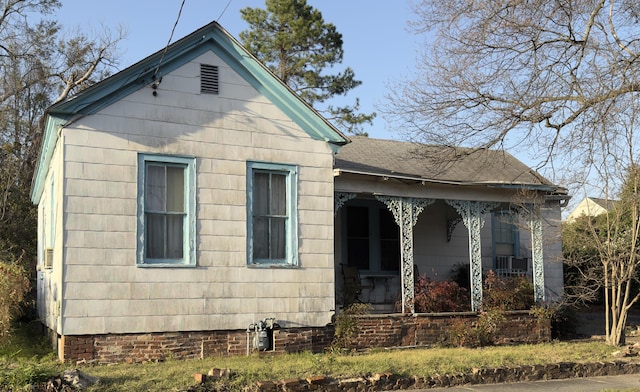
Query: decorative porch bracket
<point x="406" y="210"/>
<point x="340" y="198"/>
<point x="473" y="215"/>
<point x="531" y="215"/>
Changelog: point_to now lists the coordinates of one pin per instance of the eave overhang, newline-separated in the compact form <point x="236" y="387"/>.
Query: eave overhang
<point x="558" y="193"/>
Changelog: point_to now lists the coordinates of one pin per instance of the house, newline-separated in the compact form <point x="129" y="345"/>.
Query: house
<point x="193" y="205"/>
<point x="590" y="206"/>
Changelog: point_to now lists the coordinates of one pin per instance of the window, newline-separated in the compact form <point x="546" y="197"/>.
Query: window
<point x="166" y="210"/>
<point x="372" y="237"/>
<point x="271" y="214"/>
<point x="505" y="234"/>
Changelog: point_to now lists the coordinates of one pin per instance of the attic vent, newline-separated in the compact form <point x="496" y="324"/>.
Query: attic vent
<point x="208" y="79"/>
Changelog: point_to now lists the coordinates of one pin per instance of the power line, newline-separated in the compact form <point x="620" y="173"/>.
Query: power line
<point x="169" y="41"/>
<point x="225" y="8"/>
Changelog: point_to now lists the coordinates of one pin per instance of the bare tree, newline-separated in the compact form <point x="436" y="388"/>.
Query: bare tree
<point x="39" y="65"/>
<point x="559" y="78"/>
<point x="505" y="72"/>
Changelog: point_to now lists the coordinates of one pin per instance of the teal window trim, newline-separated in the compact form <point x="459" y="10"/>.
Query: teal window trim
<point x="52" y="213"/>
<point x="189" y="224"/>
<point x="291" y="237"/>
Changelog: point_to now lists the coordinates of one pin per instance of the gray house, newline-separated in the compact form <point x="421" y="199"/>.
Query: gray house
<point x="185" y="205"/>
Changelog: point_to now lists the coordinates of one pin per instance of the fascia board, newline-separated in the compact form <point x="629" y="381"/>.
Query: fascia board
<point x="51" y="133"/>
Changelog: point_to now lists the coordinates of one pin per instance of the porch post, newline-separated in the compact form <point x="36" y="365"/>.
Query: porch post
<point x="406" y="210"/>
<point x="473" y="215"/>
<point x="537" y="259"/>
<point x="530" y="215"/>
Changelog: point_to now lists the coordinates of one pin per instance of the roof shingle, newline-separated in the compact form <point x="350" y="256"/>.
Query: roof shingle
<point x="434" y="163"/>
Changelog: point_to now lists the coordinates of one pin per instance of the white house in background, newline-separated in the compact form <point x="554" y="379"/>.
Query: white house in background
<point x="590" y="206"/>
<point x="182" y="204"/>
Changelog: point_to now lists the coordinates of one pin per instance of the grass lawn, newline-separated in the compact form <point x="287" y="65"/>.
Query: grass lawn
<point x="27" y="359"/>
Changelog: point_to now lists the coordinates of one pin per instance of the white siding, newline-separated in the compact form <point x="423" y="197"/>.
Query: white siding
<point x="51" y="235"/>
<point x="107" y="293"/>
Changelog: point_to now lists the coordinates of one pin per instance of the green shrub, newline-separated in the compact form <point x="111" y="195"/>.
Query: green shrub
<point x="346" y="324"/>
<point x="14" y="286"/>
<point x="460" y="273"/>
<point x="478" y="334"/>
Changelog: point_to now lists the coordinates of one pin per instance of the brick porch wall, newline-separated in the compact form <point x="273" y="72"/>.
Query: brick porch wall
<point x="397" y="330"/>
<point x="393" y="330"/>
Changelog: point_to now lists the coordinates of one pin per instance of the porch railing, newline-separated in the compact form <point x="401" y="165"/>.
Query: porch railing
<point x="512" y="266"/>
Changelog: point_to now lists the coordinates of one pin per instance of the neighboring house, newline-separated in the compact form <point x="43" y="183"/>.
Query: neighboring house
<point x="590" y="206"/>
<point x="182" y="203"/>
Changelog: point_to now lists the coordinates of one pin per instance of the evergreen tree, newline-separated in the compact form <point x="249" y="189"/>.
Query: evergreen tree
<point x="292" y="39"/>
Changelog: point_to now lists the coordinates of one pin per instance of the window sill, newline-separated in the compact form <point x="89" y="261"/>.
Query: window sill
<point x="165" y="265"/>
<point x="274" y="266"/>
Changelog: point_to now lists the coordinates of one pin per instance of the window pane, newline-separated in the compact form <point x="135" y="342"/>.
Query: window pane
<point x="390" y="255"/>
<point x="358" y="222"/>
<point x="175" y="189"/>
<point x="278" y="194"/>
<point x="389" y="229"/>
<point x="155" y="229"/>
<point x="503" y="229"/>
<point x="358" y="253"/>
<point x="155" y="188"/>
<point x="260" y="238"/>
<point x="260" y="193"/>
<point x="278" y="238"/>
<point x="358" y="237"/>
<point x="175" y="243"/>
<point x="389" y="242"/>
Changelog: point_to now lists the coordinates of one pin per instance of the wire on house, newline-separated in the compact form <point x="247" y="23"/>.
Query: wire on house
<point x="169" y="41"/>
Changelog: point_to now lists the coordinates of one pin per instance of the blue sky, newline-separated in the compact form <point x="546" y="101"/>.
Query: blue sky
<point x="377" y="45"/>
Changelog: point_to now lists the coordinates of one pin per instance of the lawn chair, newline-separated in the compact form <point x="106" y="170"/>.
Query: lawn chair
<point x="352" y="284"/>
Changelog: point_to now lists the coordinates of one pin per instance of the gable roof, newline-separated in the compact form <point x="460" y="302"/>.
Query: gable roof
<point x="604" y="203"/>
<point x="590" y="206"/>
<point x="437" y="164"/>
<point x="211" y="37"/>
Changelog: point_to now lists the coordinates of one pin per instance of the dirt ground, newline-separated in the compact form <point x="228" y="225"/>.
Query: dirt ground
<point x="590" y="323"/>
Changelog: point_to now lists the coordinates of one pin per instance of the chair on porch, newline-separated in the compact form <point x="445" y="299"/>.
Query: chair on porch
<point x="352" y="284"/>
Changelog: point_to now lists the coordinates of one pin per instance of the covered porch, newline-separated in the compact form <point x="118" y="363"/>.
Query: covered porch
<point x="395" y="218"/>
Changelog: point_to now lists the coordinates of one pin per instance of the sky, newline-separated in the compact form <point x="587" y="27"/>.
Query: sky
<point x="377" y="44"/>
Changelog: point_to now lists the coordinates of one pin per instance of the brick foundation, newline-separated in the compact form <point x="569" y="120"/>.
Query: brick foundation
<point x="145" y="347"/>
<point x="393" y="330"/>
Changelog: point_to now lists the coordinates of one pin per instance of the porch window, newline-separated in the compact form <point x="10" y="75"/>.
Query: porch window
<point x="505" y="239"/>
<point x="372" y="238"/>
<point x="271" y="214"/>
<point x="166" y="213"/>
